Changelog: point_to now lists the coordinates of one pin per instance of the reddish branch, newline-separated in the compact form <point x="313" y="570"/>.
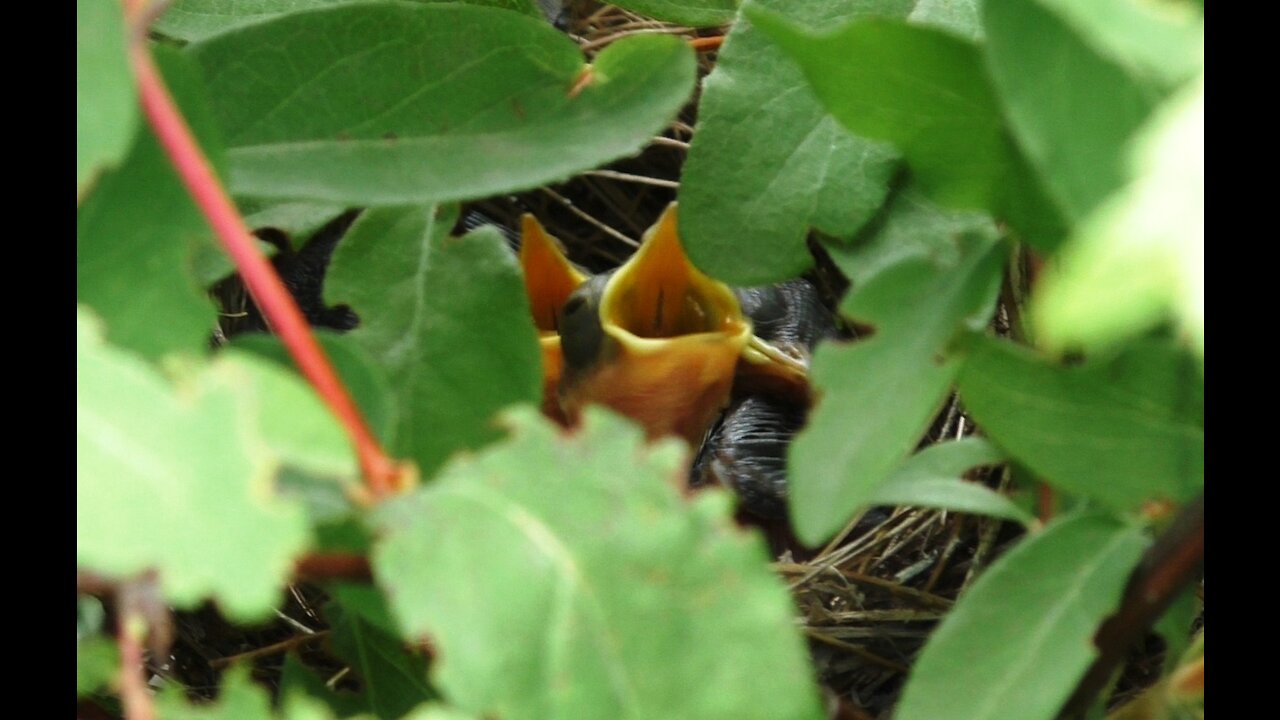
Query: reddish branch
<point x="333" y="566"/>
<point x="382" y="475"/>
<point x="707" y="44"/>
<point x="133" y="682"/>
<point x="1170" y="565"/>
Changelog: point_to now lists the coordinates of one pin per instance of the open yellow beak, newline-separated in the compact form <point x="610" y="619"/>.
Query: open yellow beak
<point x="549" y="279"/>
<point x="672" y="338"/>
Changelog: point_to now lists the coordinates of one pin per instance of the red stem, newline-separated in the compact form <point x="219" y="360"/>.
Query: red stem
<point x="381" y="473"/>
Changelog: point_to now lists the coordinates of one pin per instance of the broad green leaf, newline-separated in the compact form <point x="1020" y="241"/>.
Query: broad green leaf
<point x="238" y="699"/>
<point x="563" y="575"/>
<point x="369" y="603"/>
<point x="180" y="480"/>
<point x="136" y="235"/>
<point x="106" y="100"/>
<point x="1140" y="258"/>
<point x="303" y="690"/>
<point x="694" y="13"/>
<point x="931" y="478"/>
<point x="960" y="17"/>
<point x="879" y="394"/>
<point x="1020" y="638"/>
<point x="362" y="376"/>
<point x="447" y="319"/>
<point x="393" y="680"/>
<point x="768" y="161"/>
<point x="1161" y="42"/>
<point x="910" y="227"/>
<point x="97" y="662"/>
<point x="926" y="91"/>
<point x="1072" y="110"/>
<point x="1122" y="431"/>
<point x="194" y="20"/>
<point x="408" y="103"/>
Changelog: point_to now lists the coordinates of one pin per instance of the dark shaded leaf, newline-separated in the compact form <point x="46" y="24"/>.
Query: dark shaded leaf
<point x="1122" y="431"/>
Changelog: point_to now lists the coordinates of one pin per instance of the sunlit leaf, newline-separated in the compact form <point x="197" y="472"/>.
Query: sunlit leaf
<point x="106" y="101"/>
<point x="927" y="92"/>
<point x="238" y="699"/>
<point x="1043" y="600"/>
<point x="447" y="319"/>
<point x="615" y="596"/>
<point x="179" y="480"/>
<point x="407" y="103"/>
<point x="1123" y="431"/>
<point x="1140" y="258"/>
<point x="136" y="236"/>
<point x="768" y="161"/>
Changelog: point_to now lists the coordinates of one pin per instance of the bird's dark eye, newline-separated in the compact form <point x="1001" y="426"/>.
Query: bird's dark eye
<point x="574" y="305"/>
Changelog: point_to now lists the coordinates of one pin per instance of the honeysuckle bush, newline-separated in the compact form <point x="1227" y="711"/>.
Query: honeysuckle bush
<point x="937" y="150"/>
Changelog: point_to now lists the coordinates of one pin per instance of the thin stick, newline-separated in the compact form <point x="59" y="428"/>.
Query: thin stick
<point x="671" y="142"/>
<point x="642" y="179"/>
<point x="568" y="204"/>
<point x="272" y="649"/>
<point x="601" y="42"/>
<point x="382" y="474"/>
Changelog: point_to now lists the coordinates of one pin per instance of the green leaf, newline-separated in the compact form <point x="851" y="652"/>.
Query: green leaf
<point x="1140" y="258"/>
<point x="566" y="552"/>
<point x="363" y="377"/>
<point x="931" y="478"/>
<point x="927" y="92"/>
<point x="909" y="226"/>
<point x="694" y="13"/>
<point x="768" y="161"/>
<point x="878" y="395"/>
<point x="137" y="232"/>
<point x="1162" y="43"/>
<point x="106" y="100"/>
<point x="1072" y="110"/>
<point x="1123" y="431"/>
<point x="97" y="662"/>
<point x="179" y="481"/>
<point x="194" y="20"/>
<point x="1044" y="599"/>
<point x="426" y="103"/>
<point x="448" y="320"/>
<point x="393" y="680"/>
<point x="238" y="699"/>
<point x="960" y="17"/>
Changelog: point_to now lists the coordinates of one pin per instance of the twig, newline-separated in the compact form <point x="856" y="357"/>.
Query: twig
<point x="568" y="204"/>
<point x="333" y="566"/>
<point x="857" y="650"/>
<point x="707" y="44"/>
<point x="642" y="179"/>
<point x="611" y="37"/>
<point x="382" y="474"/>
<point x="272" y="649"/>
